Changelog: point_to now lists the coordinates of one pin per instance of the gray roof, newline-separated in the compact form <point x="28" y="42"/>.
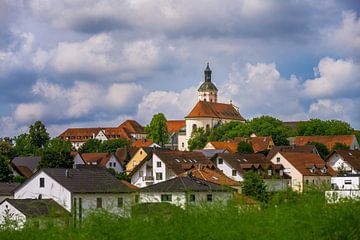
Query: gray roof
<point x="37" y="207"/>
<point x="7" y="188"/>
<point x="87" y="179"/>
<point x="185" y="184"/>
<point x="207" y="86"/>
<point x="29" y="162"/>
<point x="209" y="153"/>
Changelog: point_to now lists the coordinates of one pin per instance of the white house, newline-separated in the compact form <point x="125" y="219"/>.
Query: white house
<point x="345" y="160"/>
<point x="15" y="212"/>
<point x="162" y="165"/>
<point x="344" y="187"/>
<point x="207" y="113"/>
<point x="78" y="190"/>
<point x="182" y="191"/>
<point x="108" y="160"/>
<point x="304" y="169"/>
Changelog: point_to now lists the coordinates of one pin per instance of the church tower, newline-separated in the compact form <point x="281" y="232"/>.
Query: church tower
<point x="207" y="90"/>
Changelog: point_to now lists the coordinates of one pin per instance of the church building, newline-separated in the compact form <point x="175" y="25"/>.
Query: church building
<point x="207" y="113"/>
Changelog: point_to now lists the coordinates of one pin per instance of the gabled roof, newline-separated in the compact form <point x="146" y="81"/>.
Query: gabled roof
<point x="209" y="153"/>
<point x="96" y="158"/>
<point x="7" y="188"/>
<point x="229" y="146"/>
<point x="329" y="141"/>
<point x="37" y="207"/>
<point x="30" y="162"/>
<point x="293" y="148"/>
<point x="124" y="154"/>
<point x="215" y="110"/>
<point x="132" y="126"/>
<point x="212" y="175"/>
<point x="352" y="157"/>
<point x="175" y="125"/>
<point x="185" y="184"/>
<point x="86" y="179"/>
<point x="304" y="162"/>
<point x="258" y="143"/>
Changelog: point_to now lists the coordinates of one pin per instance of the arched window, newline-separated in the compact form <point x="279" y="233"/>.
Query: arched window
<point x="194" y="127"/>
<point x="207" y="127"/>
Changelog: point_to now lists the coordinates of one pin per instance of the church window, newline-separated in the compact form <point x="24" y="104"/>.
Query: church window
<point x="194" y="127"/>
<point x="207" y="127"/>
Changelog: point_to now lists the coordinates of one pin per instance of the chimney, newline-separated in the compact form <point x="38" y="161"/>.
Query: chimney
<point x="67" y="173"/>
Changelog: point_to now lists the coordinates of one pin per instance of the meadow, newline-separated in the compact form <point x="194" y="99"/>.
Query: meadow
<point x="286" y="216"/>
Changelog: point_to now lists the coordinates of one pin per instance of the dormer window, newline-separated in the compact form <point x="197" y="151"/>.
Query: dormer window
<point x="323" y="170"/>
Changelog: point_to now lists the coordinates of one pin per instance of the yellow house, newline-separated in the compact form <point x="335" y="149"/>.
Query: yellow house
<point x="140" y="155"/>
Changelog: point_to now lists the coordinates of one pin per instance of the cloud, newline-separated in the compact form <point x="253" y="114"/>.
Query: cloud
<point x="337" y="78"/>
<point x="82" y="101"/>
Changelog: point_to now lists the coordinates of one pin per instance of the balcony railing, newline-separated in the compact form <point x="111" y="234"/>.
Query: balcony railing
<point x="148" y="178"/>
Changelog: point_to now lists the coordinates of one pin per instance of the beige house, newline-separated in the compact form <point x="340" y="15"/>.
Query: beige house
<point x="136" y="159"/>
<point x="304" y="169"/>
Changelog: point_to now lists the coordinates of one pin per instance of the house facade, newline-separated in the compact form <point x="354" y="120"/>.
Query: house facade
<point x="345" y="161"/>
<point x="207" y="113"/>
<point x="344" y="187"/>
<point x="79" y="190"/>
<point x="108" y="160"/>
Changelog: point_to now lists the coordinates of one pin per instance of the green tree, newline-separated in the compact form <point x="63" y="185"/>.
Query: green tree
<point x="6" y="149"/>
<point x="113" y="144"/>
<point x="254" y="186"/>
<point x="229" y="130"/>
<point x="317" y="127"/>
<point x="157" y="129"/>
<point x="321" y="148"/>
<point x="23" y="146"/>
<point x="198" y="139"/>
<point x="56" y="153"/>
<point x="92" y="145"/>
<point x="5" y="171"/>
<point x="38" y="134"/>
<point x="245" y="147"/>
<point x="339" y="146"/>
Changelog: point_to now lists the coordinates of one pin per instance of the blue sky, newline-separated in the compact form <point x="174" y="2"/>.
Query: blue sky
<point x="96" y="63"/>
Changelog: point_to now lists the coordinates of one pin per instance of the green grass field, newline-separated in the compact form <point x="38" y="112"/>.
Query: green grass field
<point x="286" y="216"/>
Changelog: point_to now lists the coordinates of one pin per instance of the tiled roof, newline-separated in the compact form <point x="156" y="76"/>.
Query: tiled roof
<point x="132" y="126"/>
<point x="350" y="156"/>
<point x="303" y="162"/>
<point x="37" y="207"/>
<point x="292" y="148"/>
<point x="97" y="158"/>
<point x="230" y="146"/>
<point x="211" y="175"/>
<point x="129" y="184"/>
<point x="258" y="144"/>
<point x="142" y="143"/>
<point x="87" y="179"/>
<point x="329" y="141"/>
<point x="209" y="153"/>
<point x="215" y="110"/>
<point x="23" y="171"/>
<point x="185" y="184"/>
<point x="7" y="188"/>
<point x="175" y="125"/>
<point x="30" y="162"/>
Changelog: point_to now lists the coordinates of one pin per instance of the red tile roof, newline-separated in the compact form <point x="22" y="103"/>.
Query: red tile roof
<point x="259" y="143"/>
<point x="175" y="125"/>
<point x="329" y="141"/>
<point x="142" y="143"/>
<point x="215" y="110"/>
<point x="98" y="158"/>
<point x="230" y="146"/>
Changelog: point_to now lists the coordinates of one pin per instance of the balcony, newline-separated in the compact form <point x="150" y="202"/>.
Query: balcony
<point x="148" y="179"/>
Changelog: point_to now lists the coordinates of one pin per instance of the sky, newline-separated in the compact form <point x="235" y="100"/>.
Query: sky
<point x="77" y="63"/>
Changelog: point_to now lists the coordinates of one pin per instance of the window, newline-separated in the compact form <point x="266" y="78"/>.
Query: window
<point x="194" y="127"/>
<point x="141" y="173"/>
<point x="182" y="145"/>
<point x="233" y="173"/>
<point x="120" y="202"/>
<point x="278" y="159"/>
<point x="269" y="172"/>
<point x="158" y="176"/>
<point x="347" y="181"/>
<point x="98" y="202"/>
<point x="220" y="161"/>
<point x="158" y="164"/>
<point x="166" y="197"/>
<point x="114" y="164"/>
<point x="110" y="164"/>
<point x="209" y="197"/>
<point x="307" y="181"/>
<point x="192" y="198"/>
<point x="42" y="182"/>
<point x="207" y="127"/>
<point x="140" y="152"/>
<point x="80" y="209"/>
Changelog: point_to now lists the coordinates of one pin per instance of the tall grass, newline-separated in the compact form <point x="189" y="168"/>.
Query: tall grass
<point x="286" y="216"/>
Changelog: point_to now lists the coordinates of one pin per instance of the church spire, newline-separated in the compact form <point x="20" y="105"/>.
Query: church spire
<point x="207" y="73"/>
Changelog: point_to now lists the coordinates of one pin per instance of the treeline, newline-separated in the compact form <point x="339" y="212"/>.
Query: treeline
<point x="53" y="152"/>
<point x="270" y="126"/>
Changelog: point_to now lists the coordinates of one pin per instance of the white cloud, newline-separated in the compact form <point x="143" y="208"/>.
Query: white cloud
<point x="337" y="78"/>
<point x="29" y="112"/>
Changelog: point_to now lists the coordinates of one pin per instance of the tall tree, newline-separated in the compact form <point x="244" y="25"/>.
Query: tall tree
<point x="6" y="149"/>
<point x="321" y="148"/>
<point x="113" y="144"/>
<point x="157" y="129"/>
<point x="245" y="147"/>
<point x="23" y="146"/>
<point x="339" y="146"/>
<point x="56" y="153"/>
<point x="5" y="171"/>
<point x="198" y="139"/>
<point x="317" y="127"/>
<point x="92" y="145"/>
<point x="38" y="134"/>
